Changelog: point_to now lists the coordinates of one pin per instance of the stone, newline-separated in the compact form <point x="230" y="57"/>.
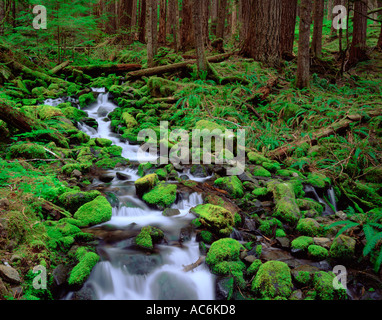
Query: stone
<point x="76" y="174"/>
<point x="106" y="177"/>
<point x="146" y="184"/>
<point x="123" y="176"/>
<point x="323" y="242"/>
<point x="342" y="248"/>
<point x="169" y="212"/>
<point x="9" y="274"/>
<point x="4" y="203"/>
<point x="224" y="288"/>
<point x="308" y="227"/>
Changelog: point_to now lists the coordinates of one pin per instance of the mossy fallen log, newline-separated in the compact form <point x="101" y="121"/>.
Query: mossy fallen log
<point x="98" y="70"/>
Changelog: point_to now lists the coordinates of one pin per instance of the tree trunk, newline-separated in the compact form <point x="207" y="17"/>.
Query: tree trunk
<point x="187" y="35"/>
<point x="201" y="61"/>
<point x="222" y="10"/>
<point x="174" y="23"/>
<point x="134" y="20"/>
<point x="317" y="29"/>
<point x="287" y="28"/>
<point x="358" y="46"/>
<point x="142" y="21"/>
<point x="303" y="60"/>
<point x="125" y="14"/>
<point x="2" y="17"/>
<point x="263" y="37"/>
<point x="206" y="31"/>
<point x="162" y="23"/>
<point x="152" y="20"/>
<point x="214" y="15"/>
<point x="111" y="23"/>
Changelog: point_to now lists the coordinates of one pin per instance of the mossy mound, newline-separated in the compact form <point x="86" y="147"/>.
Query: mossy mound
<point x="86" y="262"/>
<point x="302" y="243"/>
<point x="146" y="184"/>
<point x="257" y="158"/>
<point x="260" y="171"/>
<point x="323" y="285"/>
<point x="92" y="213"/>
<point x="342" y="248"/>
<point x="317" y="252"/>
<point x="148" y="237"/>
<point x="286" y="208"/>
<point x="309" y="227"/>
<point x="162" y="195"/>
<point x="216" y="219"/>
<point x="232" y="185"/>
<point x="73" y="200"/>
<point x="273" y="279"/>
<point x="27" y="151"/>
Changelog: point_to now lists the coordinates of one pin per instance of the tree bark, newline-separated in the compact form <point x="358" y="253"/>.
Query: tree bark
<point x="125" y="14"/>
<point x="152" y="20"/>
<point x="263" y="36"/>
<point x="162" y="23"/>
<point x="358" y="46"/>
<point x="201" y="61"/>
<point x="222" y="10"/>
<point x="174" y="22"/>
<point x="303" y="60"/>
<point x="142" y="21"/>
<point x="187" y="35"/>
<point x="287" y="28"/>
<point x="317" y="29"/>
<point x="379" y="44"/>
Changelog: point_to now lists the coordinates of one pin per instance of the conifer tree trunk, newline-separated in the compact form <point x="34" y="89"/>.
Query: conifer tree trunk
<point x="125" y="14"/>
<point x="187" y="30"/>
<point x="197" y="9"/>
<point x="287" y="28"/>
<point x="358" y="46"/>
<point x="142" y="21"/>
<point x="317" y="29"/>
<point x="303" y="60"/>
<point x="222" y="9"/>
<point x="174" y="22"/>
<point x="152" y="21"/>
<point x="162" y="22"/>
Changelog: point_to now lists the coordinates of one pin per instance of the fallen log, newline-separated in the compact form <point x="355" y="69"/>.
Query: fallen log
<point x="194" y="265"/>
<point x="59" y="67"/>
<point x="174" y="67"/>
<point x="97" y="70"/>
<point x="313" y="138"/>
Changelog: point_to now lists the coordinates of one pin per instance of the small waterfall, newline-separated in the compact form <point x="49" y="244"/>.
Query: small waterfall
<point x="332" y="198"/>
<point x="311" y="192"/>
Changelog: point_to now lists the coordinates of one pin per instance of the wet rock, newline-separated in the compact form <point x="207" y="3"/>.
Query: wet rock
<point x="107" y="177"/>
<point x="141" y="264"/>
<point x="296" y="295"/>
<point x="123" y="176"/>
<point x="9" y="274"/>
<point x="76" y="174"/>
<point x="185" y="234"/>
<point x="283" y="242"/>
<point x="169" y="212"/>
<point x="87" y="293"/>
<point x="199" y="171"/>
<point x="224" y="288"/>
<point x="323" y="242"/>
<point x="342" y="248"/>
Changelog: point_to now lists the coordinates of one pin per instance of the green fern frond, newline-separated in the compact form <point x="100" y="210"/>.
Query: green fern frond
<point x="372" y="243"/>
<point x="378" y="262"/>
<point x="349" y="226"/>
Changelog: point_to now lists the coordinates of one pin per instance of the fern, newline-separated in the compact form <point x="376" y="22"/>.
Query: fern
<point x="372" y="243"/>
<point x="378" y="262"/>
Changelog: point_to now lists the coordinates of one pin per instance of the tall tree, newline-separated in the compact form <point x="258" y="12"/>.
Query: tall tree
<point x="152" y="31"/>
<point x="197" y="10"/>
<point x="287" y="27"/>
<point x="162" y="22"/>
<point x="187" y="35"/>
<point x="125" y="14"/>
<point x="142" y="21"/>
<point x="263" y="36"/>
<point x="317" y="29"/>
<point x="222" y="14"/>
<point x="358" y="45"/>
<point x="174" y="22"/>
<point x="303" y="60"/>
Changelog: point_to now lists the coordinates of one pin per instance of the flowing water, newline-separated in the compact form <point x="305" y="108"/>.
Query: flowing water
<point x="125" y="273"/>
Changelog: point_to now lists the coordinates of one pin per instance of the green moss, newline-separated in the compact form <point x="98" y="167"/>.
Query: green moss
<point x="215" y="218"/>
<point x="232" y="185"/>
<point x="86" y="99"/>
<point x="73" y="200"/>
<point x="317" y="252"/>
<point x="317" y="180"/>
<point x="114" y="151"/>
<point x="162" y="195"/>
<point x="323" y="284"/>
<point x="70" y="167"/>
<point x="207" y="236"/>
<point x="271" y="166"/>
<point x="143" y="240"/>
<point x="260" y="171"/>
<point x="342" y="248"/>
<point x="266" y="226"/>
<point x="161" y="173"/>
<point x="309" y="204"/>
<point x="257" y="158"/>
<point x="143" y="168"/>
<point x="27" y="151"/>
<point x="303" y="278"/>
<point x="286" y="208"/>
<point x="373" y="174"/>
<point x="129" y="120"/>
<point x="110" y="163"/>
<point x="302" y="242"/>
<point x="92" y="213"/>
<point x="74" y="114"/>
<point x="272" y="280"/>
<point x="308" y="227"/>
<point x="102" y="142"/>
<point x="280" y="233"/>
<point x="254" y="267"/>
<point x="82" y="270"/>
<point x="260" y="192"/>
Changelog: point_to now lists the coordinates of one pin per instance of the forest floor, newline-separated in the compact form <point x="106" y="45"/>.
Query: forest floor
<point x="326" y="137"/>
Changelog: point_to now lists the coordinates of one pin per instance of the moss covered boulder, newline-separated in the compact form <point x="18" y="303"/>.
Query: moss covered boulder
<point x="273" y="279"/>
<point x="73" y="200"/>
<point x="146" y="184"/>
<point x="286" y="208"/>
<point x="323" y="285"/>
<point x="27" y="151"/>
<point x="232" y="185"/>
<point x="342" y="248"/>
<point x="148" y="237"/>
<point x="92" y="213"/>
<point x="309" y="227"/>
<point x="163" y="195"/>
<point x="86" y="262"/>
<point x="223" y="258"/>
<point x="216" y="219"/>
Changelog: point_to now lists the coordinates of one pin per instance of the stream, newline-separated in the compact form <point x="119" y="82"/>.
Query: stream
<point x="125" y="273"/>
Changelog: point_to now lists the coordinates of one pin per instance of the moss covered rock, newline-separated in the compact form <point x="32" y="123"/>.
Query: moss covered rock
<point x="260" y="171"/>
<point x="86" y="262"/>
<point x="272" y="280"/>
<point x="92" y="213"/>
<point x="317" y="252"/>
<point x="148" y="237"/>
<point x="302" y="243"/>
<point x="146" y="184"/>
<point x="73" y="200"/>
<point x="342" y="248"/>
<point x="27" y="151"/>
<point x="286" y="208"/>
<point x="215" y="218"/>
<point x="317" y="180"/>
<point x="162" y="195"/>
<point x="257" y="158"/>
<point x="323" y="284"/>
<point x="129" y="120"/>
<point x="232" y="185"/>
<point x="308" y="227"/>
